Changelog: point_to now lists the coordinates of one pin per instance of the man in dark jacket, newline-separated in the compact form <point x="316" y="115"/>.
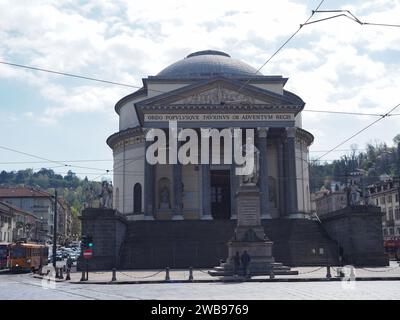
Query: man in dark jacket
<point x="245" y="258"/>
<point x="69" y="263"/>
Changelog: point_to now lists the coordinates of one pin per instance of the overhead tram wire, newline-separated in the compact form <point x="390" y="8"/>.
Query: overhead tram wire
<point x="360" y="131"/>
<point x="282" y="46"/>
<point x="138" y="87"/>
<point x="47" y="160"/>
<point x="307" y="22"/>
<point x="161" y="91"/>
<point x="69" y="74"/>
<point x="349" y="15"/>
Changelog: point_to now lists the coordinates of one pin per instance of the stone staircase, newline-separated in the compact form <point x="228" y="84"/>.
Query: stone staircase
<point x="275" y="268"/>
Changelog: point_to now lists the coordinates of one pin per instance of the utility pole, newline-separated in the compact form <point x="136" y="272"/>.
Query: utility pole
<point x="55" y="230"/>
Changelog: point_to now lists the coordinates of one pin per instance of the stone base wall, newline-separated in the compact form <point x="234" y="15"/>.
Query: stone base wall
<point x="107" y="227"/>
<point x="203" y="243"/>
<point x="358" y="230"/>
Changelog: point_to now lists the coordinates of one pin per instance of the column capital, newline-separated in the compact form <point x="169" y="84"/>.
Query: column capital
<point x="262" y="132"/>
<point x="291" y="132"/>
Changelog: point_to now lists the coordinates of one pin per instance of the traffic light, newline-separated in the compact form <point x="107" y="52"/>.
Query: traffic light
<point x="87" y="241"/>
<point x="90" y="242"/>
<point x="84" y="241"/>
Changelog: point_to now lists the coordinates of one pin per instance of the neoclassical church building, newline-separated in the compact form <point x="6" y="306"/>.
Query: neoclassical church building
<point x="210" y="89"/>
<point x="182" y="215"/>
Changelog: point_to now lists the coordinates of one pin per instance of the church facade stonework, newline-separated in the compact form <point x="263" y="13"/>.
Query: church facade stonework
<point x="182" y="215"/>
<point x="211" y="90"/>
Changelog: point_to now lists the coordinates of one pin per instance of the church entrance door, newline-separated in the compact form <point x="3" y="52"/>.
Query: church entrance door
<point x="220" y="194"/>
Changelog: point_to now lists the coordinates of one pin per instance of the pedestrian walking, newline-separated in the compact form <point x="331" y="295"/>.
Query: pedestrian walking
<point x="69" y="263"/>
<point x="245" y="259"/>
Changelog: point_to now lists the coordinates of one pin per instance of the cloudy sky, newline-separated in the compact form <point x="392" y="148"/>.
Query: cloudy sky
<point x="335" y="65"/>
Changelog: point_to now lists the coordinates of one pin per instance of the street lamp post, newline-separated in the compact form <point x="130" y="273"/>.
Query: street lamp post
<point x="55" y="230"/>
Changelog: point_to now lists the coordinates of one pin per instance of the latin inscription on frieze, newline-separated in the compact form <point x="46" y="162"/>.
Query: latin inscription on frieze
<point x="219" y="117"/>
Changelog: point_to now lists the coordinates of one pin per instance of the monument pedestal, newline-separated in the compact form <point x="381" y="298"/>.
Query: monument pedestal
<point x="250" y="236"/>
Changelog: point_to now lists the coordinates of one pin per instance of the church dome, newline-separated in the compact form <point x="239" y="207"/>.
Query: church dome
<point x="208" y="63"/>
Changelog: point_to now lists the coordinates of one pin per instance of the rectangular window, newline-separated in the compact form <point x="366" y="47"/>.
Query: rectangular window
<point x="377" y="203"/>
<point x="18" y="252"/>
<point x="397" y="213"/>
<point x="391" y="231"/>
<point x="390" y="199"/>
<point x="382" y="200"/>
<point x="397" y="198"/>
<point x="398" y="231"/>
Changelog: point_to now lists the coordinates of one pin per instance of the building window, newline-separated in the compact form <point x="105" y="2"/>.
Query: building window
<point x="382" y="200"/>
<point x="398" y="231"/>
<point x="385" y="232"/>
<point x="377" y="202"/>
<point x="390" y="213"/>
<point x="397" y="213"/>
<point x="390" y="199"/>
<point x="137" y="198"/>
<point x="397" y="198"/>
<point x="391" y="231"/>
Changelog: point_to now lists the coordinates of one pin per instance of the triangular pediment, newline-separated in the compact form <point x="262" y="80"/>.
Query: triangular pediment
<point x="217" y="95"/>
<point x="219" y="91"/>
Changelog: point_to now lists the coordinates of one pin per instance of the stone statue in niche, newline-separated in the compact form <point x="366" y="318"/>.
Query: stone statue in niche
<point x="164" y="198"/>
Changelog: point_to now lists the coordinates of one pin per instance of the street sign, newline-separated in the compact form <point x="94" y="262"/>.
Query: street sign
<point x="87" y="254"/>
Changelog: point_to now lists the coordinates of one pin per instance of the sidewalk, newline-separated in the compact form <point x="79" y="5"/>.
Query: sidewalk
<point x="391" y="272"/>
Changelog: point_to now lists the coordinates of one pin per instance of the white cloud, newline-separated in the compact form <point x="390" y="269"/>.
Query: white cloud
<point x="333" y="64"/>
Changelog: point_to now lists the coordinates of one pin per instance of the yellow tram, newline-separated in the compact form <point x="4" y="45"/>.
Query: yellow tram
<point x="27" y="256"/>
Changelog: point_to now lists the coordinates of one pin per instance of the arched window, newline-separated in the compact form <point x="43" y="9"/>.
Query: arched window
<point x="137" y="198"/>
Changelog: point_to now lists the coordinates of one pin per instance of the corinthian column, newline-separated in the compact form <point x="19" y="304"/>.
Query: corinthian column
<point x="263" y="182"/>
<point x="292" y="208"/>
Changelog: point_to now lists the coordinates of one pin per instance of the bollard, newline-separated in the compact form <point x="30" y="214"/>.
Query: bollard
<point x="271" y="274"/>
<point x="68" y="275"/>
<point x="83" y="275"/>
<point x="114" y="275"/>
<point x="61" y="273"/>
<point x="57" y="273"/>
<point x="167" y="278"/>
<point x="352" y="274"/>
<point x="190" y="273"/>
<point x="328" y="272"/>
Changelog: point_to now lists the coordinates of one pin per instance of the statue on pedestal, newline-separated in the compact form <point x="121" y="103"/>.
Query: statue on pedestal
<point x="90" y="195"/>
<point x="106" y="195"/>
<point x="252" y="178"/>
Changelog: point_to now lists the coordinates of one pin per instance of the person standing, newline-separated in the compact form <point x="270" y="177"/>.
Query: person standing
<point x="245" y="259"/>
<point x="69" y="263"/>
